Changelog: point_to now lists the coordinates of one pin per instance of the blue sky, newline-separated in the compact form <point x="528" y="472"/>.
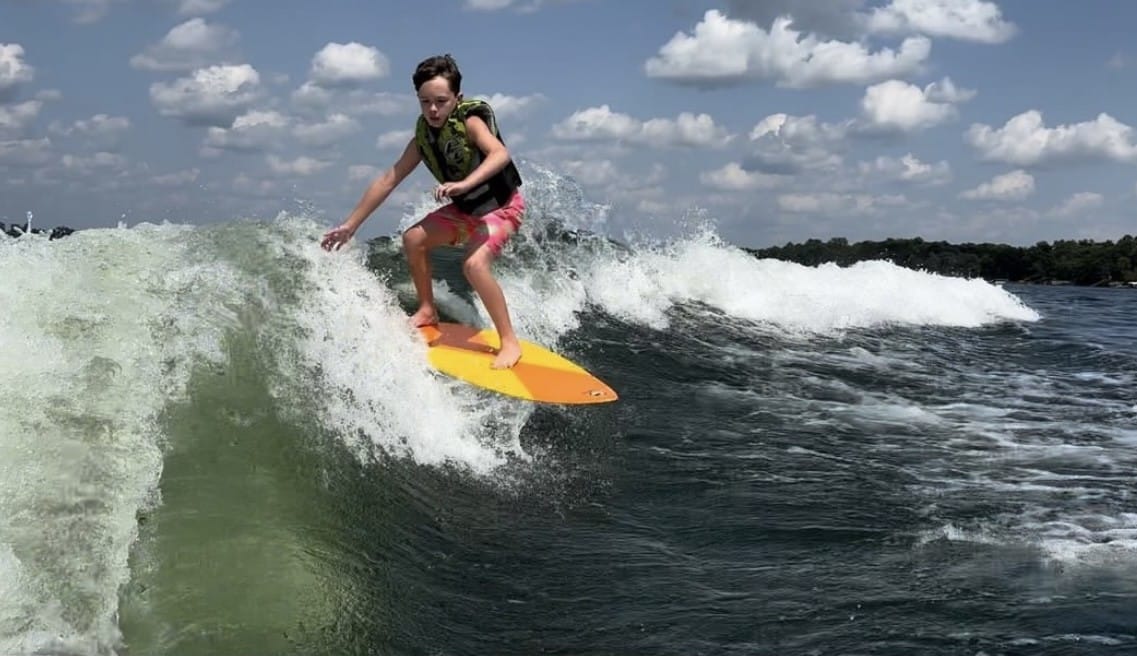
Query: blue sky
<point x="780" y="120"/>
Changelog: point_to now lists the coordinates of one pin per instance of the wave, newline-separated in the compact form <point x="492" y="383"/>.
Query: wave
<point x="109" y="335"/>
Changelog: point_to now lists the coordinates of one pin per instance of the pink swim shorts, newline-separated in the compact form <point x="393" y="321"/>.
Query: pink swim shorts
<point x="492" y="229"/>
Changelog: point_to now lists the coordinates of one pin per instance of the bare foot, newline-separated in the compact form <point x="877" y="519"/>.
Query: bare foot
<point x="507" y="355"/>
<point x="426" y="316"/>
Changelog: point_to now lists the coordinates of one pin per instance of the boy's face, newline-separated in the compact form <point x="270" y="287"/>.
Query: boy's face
<point x="437" y="101"/>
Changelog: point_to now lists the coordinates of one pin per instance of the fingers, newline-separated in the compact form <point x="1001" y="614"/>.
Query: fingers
<point x="334" y="239"/>
<point x="443" y="191"/>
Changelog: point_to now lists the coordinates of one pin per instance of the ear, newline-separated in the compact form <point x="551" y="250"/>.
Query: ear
<point x="459" y="96"/>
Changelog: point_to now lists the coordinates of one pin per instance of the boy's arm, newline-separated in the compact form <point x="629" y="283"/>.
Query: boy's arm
<point x="376" y="193"/>
<point x="382" y="186"/>
<point x="496" y="154"/>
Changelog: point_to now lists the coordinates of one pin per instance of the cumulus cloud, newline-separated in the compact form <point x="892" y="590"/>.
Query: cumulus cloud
<point x="348" y="64"/>
<point x="898" y="106"/>
<point x="1025" y="141"/>
<point x="301" y="166"/>
<point x="88" y="165"/>
<point x="839" y="204"/>
<point x="1078" y="204"/>
<point x="394" y="139"/>
<point x="336" y="128"/>
<point x="211" y="96"/>
<point x="968" y="20"/>
<point x="15" y="118"/>
<point x="724" y="51"/>
<point x="25" y="152"/>
<point x="192" y="44"/>
<point x="832" y="17"/>
<point x="1015" y="185"/>
<point x="733" y="177"/>
<point x="253" y="131"/>
<point x="601" y="123"/>
<point x="13" y="69"/>
<point x="91" y="11"/>
<point x="101" y="130"/>
<point x="497" y="5"/>
<point x="785" y="144"/>
<point x="357" y="172"/>
<point x="908" y="169"/>
<point x="488" y="5"/>
<point x="177" y="179"/>
<point x="505" y="106"/>
<point x="313" y="99"/>
<point x="199" y="7"/>
<point x="615" y="181"/>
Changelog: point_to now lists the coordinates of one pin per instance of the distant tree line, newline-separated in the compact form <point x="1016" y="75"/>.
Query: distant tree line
<point x="1080" y="262"/>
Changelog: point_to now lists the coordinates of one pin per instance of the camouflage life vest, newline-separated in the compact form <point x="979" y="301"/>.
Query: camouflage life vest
<point x="451" y="155"/>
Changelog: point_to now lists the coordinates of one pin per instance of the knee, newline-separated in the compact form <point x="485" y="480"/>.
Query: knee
<point x="414" y="238"/>
<point x="477" y="264"/>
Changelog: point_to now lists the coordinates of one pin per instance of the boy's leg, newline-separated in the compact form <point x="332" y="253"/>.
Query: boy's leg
<point x="436" y="229"/>
<point x="485" y="245"/>
<point x="477" y="269"/>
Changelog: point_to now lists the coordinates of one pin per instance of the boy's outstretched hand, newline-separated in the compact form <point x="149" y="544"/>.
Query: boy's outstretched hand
<point x="335" y="238"/>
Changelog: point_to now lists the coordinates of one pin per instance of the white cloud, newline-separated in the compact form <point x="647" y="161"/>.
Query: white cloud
<point x="969" y="20"/>
<point x="1026" y="141"/>
<point x="592" y="173"/>
<point x="298" y="166"/>
<point x="1015" y="185"/>
<point x="787" y="144"/>
<point x="614" y="179"/>
<point x="211" y="96"/>
<point x="187" y="46"/>
<point x="16" y="118"/>
<point x="726" y="51"/>
<point x="24" y="152"/>
<point x="348" y="64"/>
<point x="394" y="139"/>
<point x="312" y="98"/>
<point x="733" y="177"/>
<point x="199" y="7"/>
<point x="945" y="91"/>
<point x="245" y="184"/>
<point x="251" y="132"/>
<point x="335" y="128"/>
<point x="178" y="179"/>
<point x="13" y="69"/>
<point x="497" y="5"/>
<point x="1078" y="204"/>
<point x="91" y="11"/>
<point x="101" y="131"/>
<point x="504" y="105"/>
<point x="97" y="162"/>
<point x="838" y="204"/>
<point x="908" y="169"/>
<point x="99" y="125"/>
<point x="488" y="5"/>
<point x="601" y="123"/>
<point x="899" y="106"/>
<point x="357" y="172"/>
<point x="1119" y="61"/>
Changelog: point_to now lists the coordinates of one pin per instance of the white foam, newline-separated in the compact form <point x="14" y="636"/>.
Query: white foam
<point x="99" y="332"/>
<point x="642" y="287"/>
<point x="368" y="370"/>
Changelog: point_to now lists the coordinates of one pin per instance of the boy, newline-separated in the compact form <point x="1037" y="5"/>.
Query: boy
<point x="459" y="141"/>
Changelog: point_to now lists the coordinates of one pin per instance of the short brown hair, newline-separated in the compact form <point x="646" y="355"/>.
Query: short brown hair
<point x="443" y="65"/>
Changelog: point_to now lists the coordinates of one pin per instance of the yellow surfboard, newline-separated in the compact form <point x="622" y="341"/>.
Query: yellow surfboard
<point x="466" y="353"/>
